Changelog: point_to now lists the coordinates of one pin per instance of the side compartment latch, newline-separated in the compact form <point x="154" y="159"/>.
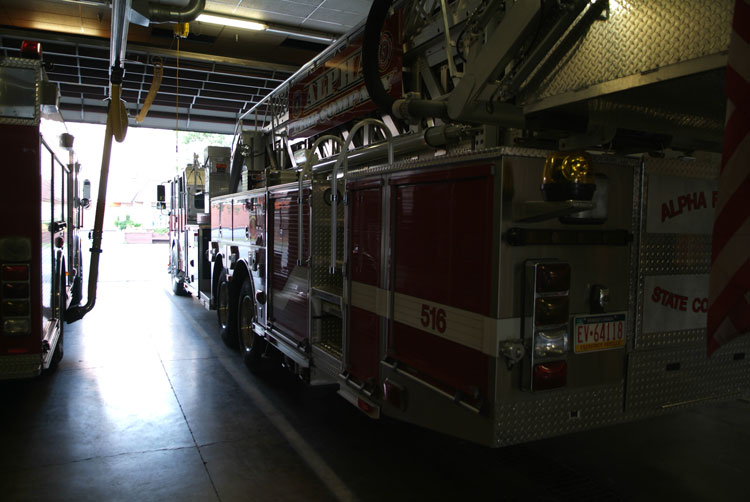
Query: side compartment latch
<point x="513" y="352"/>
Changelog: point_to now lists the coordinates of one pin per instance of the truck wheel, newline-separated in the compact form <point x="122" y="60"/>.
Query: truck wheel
<point x="178" y="285"/>
<point x="224" y="314"/>
<point x="61" y="299"/>
<point x="178" y="277"/>
<point x="76" y="292"/>
<point x="251" y="345"/>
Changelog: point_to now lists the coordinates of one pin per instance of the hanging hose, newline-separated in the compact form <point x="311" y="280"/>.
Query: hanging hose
<point x="370" y="45"/>
<point x="117" y="127"/>
<point x="155" y="84"/>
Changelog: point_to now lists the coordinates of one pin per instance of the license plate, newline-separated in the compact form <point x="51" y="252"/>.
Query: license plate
<point x="598" y="332"/>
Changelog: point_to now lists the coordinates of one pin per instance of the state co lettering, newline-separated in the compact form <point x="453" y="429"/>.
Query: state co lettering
<point x="679" y="302"/>
<point x="686" y="203"/>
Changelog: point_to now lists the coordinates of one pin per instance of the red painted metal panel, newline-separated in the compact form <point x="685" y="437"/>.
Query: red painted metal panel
<point x="442" y="252"/>
<point x="21" y="174"/>
<point x="240" y="221"/>
<point x="334" y="93"/>
<point x="364" y="327"/>
<point x="215" y="220"/>
<point x="448" y="363"/>
<point x="443" y="241"/>
<point x="435" y="175"/>
<point x="365" y="229"/>
<point x="364" y="345"/>
<point x="258" y="220"/>
<point x="226" y="220"/>
<point x="289" y="281"/>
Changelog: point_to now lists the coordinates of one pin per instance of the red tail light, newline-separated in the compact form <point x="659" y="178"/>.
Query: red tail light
<point x="16" y="308"/>
<point x="31" y="50"/>
<point x="15" y="290"/>
<point x="549" y="302"/>
<point x="15" y="273"/>
<point x="550" y="375"/>
<point x="552" y="277"/>
<point x="364" y="406"/>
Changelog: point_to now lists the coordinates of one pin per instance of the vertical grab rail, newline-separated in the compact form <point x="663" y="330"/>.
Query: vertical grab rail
<point x="306" y="170"/>
<point x="343" y="158"/>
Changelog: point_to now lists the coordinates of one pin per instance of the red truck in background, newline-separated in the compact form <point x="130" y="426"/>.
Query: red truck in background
<point x="40" y="251"/>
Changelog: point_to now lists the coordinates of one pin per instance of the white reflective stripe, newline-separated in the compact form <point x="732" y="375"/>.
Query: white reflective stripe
<point x="370" y="298"/>
<point x="470" y="329"/>
<point x="460" y="326"/>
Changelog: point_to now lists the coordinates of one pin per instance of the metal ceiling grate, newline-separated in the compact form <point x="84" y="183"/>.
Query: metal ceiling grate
<point x="212" y="94"/>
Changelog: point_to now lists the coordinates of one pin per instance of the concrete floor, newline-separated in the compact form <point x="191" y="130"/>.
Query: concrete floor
<point x="148" y="404"/>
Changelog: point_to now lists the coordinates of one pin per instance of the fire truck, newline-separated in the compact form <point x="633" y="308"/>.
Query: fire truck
<point x="491" y="219"/>
<point x="40" y="252"/>
<point x="189" y="225"/>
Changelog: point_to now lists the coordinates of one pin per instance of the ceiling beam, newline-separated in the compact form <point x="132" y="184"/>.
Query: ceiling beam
<point x="84" y="41"/>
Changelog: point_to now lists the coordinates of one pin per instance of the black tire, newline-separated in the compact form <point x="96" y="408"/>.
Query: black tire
<point x="250" y="344"/>
<point x="60" y="305"/>
<point x="178" y="280"/>
<point x="76" y="292"/>
<point x="224" y="313"/>
<point x="178" y="285"/>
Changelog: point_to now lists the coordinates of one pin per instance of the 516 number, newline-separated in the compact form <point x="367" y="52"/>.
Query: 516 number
<point x="433" y="318"/>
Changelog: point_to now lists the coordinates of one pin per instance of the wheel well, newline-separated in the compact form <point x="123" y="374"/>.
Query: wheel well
<point x="235" y="285"/>
<point x="238" y="277"/>
<point x="218" y="267"/>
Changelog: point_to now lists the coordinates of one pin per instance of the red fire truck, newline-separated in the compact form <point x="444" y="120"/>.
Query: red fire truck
<point x="40" y="253"/>
<point x="515" y="241"/>
<point x="189" y="228"/>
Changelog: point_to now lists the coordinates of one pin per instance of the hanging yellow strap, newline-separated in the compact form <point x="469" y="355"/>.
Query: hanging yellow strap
<point x="155" y="84"/>
<point x="177" y="107"/>
<point x="118" y="114"/>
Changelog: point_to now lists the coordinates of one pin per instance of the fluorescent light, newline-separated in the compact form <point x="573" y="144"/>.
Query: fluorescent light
<point x="231" y="21"/>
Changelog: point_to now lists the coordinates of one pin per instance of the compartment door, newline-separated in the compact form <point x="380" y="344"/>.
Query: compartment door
<point x="289" y="277"/>
<point x="367" y="296"/>
<point x="442" y="275"/>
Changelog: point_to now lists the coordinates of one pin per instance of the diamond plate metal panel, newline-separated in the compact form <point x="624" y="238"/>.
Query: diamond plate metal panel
<point x="671" y="254"/>
<point x="641" y="36"/>
<point x="27" y="64"/>
<point x="546" y="415"/>
<point x="693" y="168"/>
<point x="666" y="338"/>
<point x="328" y="336"/>
<point x="675" y="254"/>
<point x="675" y="377"/>
<point x="20" y="366"/>
<point x="321" y="240"/>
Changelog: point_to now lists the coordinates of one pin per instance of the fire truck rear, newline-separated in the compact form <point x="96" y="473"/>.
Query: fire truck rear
<point x="189" y="224"/>
<point x="40" y="252"/>
<point x="491" y="219"/>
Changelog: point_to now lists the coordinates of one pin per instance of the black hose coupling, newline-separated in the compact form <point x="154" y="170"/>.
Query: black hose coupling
<point x="116" y="74"/>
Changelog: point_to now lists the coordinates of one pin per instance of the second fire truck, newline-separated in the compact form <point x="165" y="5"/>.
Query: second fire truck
<point x="515" y="241"/>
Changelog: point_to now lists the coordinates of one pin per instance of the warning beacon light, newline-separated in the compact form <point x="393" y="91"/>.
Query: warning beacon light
<point x="31" y="50"/>
<point x="568" y="176"/>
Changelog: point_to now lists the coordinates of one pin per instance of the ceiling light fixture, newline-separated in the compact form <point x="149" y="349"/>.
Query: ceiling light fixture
<point x="232" y="21"/>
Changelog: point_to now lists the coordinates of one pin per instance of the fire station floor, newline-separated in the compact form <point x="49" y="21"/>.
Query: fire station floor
<point x="148" y="404"/>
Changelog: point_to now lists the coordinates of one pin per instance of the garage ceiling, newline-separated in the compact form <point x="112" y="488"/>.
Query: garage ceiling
<point x="210" y="78"/>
